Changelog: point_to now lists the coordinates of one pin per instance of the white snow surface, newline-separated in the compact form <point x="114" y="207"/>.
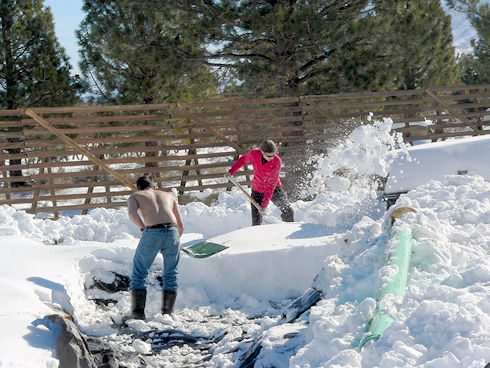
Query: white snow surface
<point x="338" y="245"/>
<point x="434" y="161"/>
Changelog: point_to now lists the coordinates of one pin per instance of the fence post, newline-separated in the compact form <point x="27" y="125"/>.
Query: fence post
<point x="35" y="195"/>
<point x="52" y="191"/>
<point x="37" y="192"/>
<point x="6" y="182"/>
<point x="90" y="189"/>
<point x="295" y="160"/>
<point x="185" y="173"/>
<point x="17" y="149"/>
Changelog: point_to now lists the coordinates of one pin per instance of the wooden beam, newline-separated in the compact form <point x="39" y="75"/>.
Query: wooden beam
<point x="79" y="148"/>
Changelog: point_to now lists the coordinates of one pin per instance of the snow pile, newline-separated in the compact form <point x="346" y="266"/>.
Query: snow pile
<point x="101" y="225"/>
<point x="465" y="156"/>
<point x="444" y="320"/>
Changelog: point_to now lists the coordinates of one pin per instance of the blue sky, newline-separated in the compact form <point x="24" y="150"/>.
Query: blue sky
<point x="68" y="14"/>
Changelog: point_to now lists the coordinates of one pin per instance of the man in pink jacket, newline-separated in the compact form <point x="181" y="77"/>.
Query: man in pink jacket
<point x="266" y="184"/>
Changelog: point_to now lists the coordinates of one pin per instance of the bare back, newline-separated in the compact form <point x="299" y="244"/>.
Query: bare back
<point x="155" y="206"/>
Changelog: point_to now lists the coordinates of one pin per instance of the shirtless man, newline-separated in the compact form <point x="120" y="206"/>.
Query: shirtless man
<point x="161" y="228"/>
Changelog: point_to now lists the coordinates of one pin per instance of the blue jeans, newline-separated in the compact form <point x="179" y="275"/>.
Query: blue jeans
<point x="153" y="241"/>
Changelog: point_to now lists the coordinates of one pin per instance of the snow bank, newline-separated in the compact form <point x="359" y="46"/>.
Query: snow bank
<point x="466" y="156"/>
<point x="444" y="319"/>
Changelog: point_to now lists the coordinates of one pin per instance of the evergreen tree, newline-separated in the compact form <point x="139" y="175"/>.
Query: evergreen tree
<point x="34" y="70"/>
<point x="291" y="47"/>
<point x="422" y="45"/>
<point x="367" y="63"/>
<point x="465" y="6"/>
<point x="475" y="68"/>
<point x="287" y="47"/>
<point x="133" y="53"/>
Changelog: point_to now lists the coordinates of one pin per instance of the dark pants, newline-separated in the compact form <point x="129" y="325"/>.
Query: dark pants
<point x="280" y="199"/>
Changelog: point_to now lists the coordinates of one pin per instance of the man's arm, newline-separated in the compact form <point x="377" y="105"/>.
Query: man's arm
<point x="133" y="213"/>
<point x="176" y="211"/>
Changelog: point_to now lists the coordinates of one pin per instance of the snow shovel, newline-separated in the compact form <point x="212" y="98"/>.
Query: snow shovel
<point x="203" y="249"/>
<point x="254" y="202"/>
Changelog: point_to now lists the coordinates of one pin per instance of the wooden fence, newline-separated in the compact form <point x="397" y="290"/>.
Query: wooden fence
<point x="73" y="159"/>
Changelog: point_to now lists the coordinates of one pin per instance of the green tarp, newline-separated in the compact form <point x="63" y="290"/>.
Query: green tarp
<point x="203" y="249"/>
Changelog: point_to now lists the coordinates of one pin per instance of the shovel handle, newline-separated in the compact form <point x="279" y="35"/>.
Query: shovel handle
<point x="254" y="202"/>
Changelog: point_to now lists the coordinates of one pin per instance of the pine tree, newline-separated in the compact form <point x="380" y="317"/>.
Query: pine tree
<point x="287" y="47"/>
<point x="465" y="6"/>
<point x="34" y="70"/>
<point x="362" y="65"/>
<point x="422" y="45"/>
<point x="132" y="53"/>
<point x="475" y="68"/>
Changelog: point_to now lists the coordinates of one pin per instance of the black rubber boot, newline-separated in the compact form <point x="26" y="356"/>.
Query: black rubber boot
<point x="168" y="301"/>
<point x="138" y="302"/>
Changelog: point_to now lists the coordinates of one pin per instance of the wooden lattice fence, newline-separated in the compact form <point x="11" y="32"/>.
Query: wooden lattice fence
<point x="74" y="159"/>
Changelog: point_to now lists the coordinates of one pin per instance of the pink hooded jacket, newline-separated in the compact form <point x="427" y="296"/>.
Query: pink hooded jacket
<point x="266" y="176"/>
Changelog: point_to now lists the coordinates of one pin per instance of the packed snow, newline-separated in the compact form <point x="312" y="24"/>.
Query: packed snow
<point x="434" y="161"/>
<point x="338" y="246"/>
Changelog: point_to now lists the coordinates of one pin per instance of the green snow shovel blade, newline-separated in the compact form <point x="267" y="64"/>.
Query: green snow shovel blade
<point x="203" y="249"/>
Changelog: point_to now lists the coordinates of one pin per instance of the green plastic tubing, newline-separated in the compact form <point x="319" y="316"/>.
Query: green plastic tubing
<point x="397" y="286"/>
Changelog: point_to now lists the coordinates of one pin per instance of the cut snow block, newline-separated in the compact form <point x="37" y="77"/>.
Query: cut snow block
<point x="203" y="249"/>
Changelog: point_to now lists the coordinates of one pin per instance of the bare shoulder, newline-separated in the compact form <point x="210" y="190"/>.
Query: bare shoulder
<point x="136" y="195"/>
<point x="140" y="196"/>
<point x="166" y="195"/>
<point x="132" y="197"/>
<point x="132" y="202"/>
